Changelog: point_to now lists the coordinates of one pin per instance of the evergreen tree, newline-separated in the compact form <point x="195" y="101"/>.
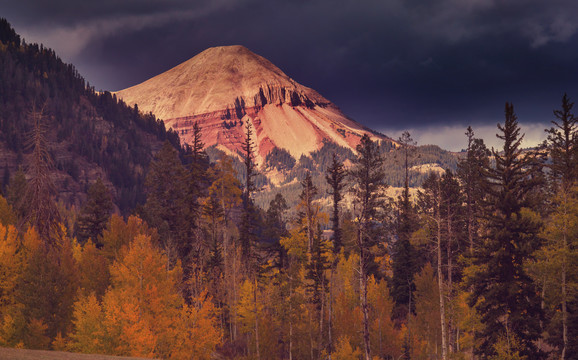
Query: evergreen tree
<point x="307" y="213"/>
<point x="335" y="178"/>
<point x="248" y="227"/>
<point x="213" y="212"/>
<point x="197" y="175"/>
<point x="276" y="228"/>
<point x="39" y="208"/>
<point x="166" y="203"/>
<point x="248" y="237"/>
<point x="368" y="185"/>
<point x="47" y="287"/>
<point x="404" y="255"/>
<point x="94" y="214"/>
<point x="470" y="174"/>
<point x="504" y="294"/>
<point x="562" y="145"/>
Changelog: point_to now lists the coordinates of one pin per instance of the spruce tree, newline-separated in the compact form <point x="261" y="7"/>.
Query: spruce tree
<point x="470" y="175"/>
<point x="196" y="178"/>
<point x="249" y="217"/>
<point x="166" y="203"/>
<point x="38" y="204"/>
<point x="335" y="178"/>
<point x="562" y="146"/>
<point x="404" y="255"/>
<point x="276" y="228"/>
<point x="95" y="213"/>
<point x="307" y="213"/>
<point x="197" y="166"/>
<point x="368" y="185"/>
<point x="504" y="294"/>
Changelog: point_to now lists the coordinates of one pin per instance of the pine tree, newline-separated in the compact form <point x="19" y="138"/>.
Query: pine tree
<point x="335" y="178"/>
<point x="166" y="203"/>
<point x="248" y="237"/>
<point x="247" y="228"/>
<point x="368" y="185"/>
<point x="470" y="174"/>
<point x="504" y="294"/>
<point x="95" y="213"/>
<point x="307" y="212"/>
<point x="197" y="180"/>
<point x="404" y="254"/>
<point x="276" y="228"/>
<point x="562" y="145"/>
<point x="40" y="210"/>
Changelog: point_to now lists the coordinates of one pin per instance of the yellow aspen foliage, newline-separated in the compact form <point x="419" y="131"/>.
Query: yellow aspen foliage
<point x="12" y="261"/>
<point x="35" y="337"/>
<point x="425" y="325"/>
<point x="31" y="242"/>
<point x="48" y="285"/>
<point x="296" y="244"/>
<point x="89" y="335"/>
<point x="59" y="343"/>
<point x="13" y="328"/>
<point x="119" y="233"/>
<point x="196" y="334"/>
<point x="7" y="216"/>
<point x="507" y="348"/>
<point x="385" y="339"/>
<point x="93" y="268"/>
<point x="468" y="322"/>
<point x="344" y="350"/>
<point x="142" y="274"/>
<point x="10" y="266"/>
<point x="226" y="185"/>
<point x="346" y="308"/>
<point x="142" y="314"/>
<point x="127" y="331"/>
<point x="246" y="310"/>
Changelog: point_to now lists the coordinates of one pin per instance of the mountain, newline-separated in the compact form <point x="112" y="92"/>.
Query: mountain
<point x="90" y="134"/>
<point x="225" y="87"/>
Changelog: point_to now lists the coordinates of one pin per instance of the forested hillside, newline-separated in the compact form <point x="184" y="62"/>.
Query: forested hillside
<point x="90" y="134"/>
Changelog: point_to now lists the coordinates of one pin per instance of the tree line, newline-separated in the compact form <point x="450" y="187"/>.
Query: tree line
<point x="481" y="263"/>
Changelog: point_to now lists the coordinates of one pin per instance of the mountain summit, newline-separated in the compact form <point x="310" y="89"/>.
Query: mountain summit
<point x="225" y="87"/>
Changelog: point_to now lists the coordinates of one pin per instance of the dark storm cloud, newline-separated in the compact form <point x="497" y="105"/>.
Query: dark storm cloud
<point x="389" y="64"/>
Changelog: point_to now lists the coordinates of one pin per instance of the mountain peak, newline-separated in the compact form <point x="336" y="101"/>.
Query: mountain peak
<point x="224" y="87"/>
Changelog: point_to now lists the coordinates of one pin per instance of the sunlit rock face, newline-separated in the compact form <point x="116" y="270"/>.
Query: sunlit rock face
<point x="224" y="88"/>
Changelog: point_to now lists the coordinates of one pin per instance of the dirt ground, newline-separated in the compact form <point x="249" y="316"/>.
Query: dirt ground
<point x="23" y="354"/>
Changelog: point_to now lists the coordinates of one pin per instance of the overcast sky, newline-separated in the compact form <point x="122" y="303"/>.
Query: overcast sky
<point x="429" y="66"/>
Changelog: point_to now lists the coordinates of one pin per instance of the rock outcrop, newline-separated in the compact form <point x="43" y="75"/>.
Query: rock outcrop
<point x="224" y="88"/>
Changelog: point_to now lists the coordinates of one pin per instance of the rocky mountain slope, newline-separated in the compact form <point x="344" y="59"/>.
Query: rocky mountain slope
<point x="223" y="88"/>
